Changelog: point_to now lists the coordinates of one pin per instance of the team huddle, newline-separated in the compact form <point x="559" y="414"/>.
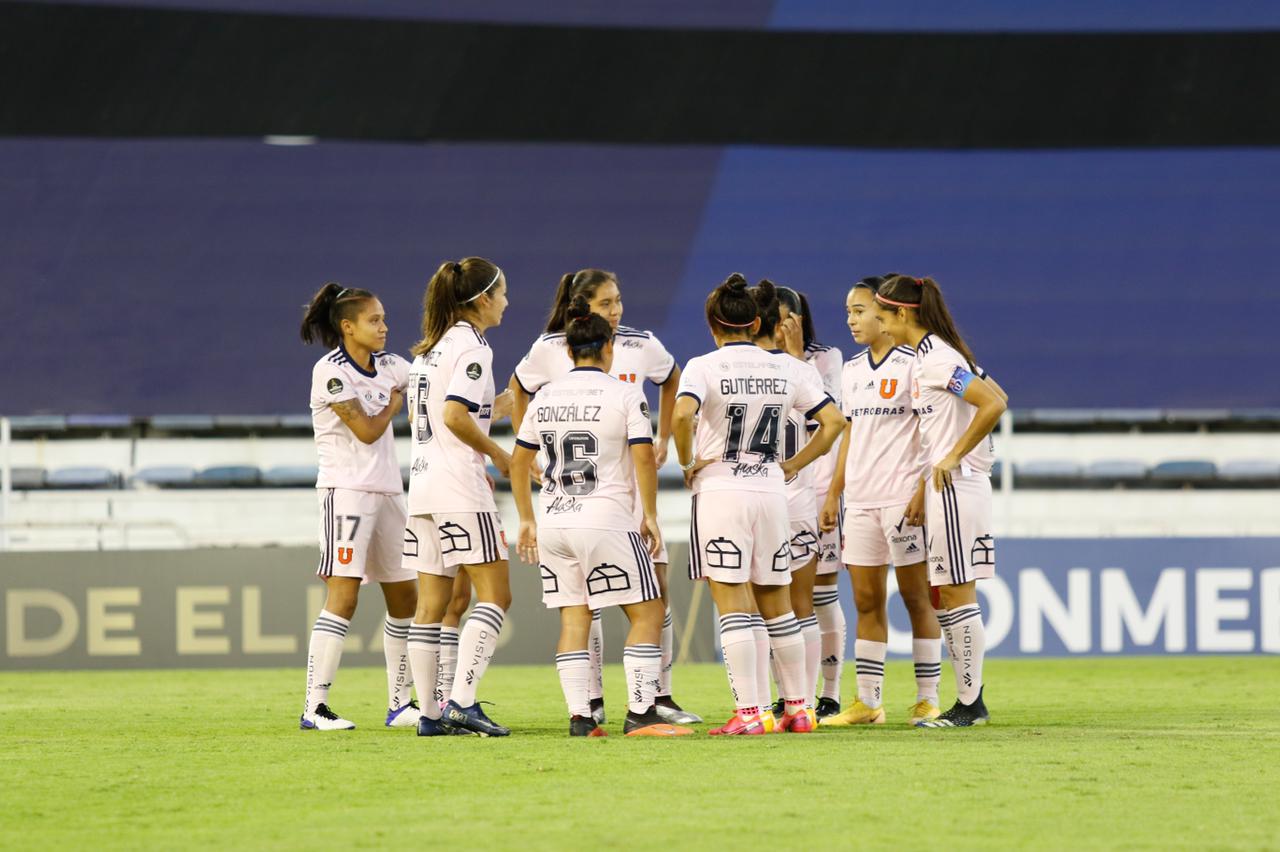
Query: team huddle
<point x="798" y="466"/>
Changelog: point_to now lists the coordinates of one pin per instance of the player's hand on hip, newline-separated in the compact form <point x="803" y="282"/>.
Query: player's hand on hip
<point x="693" y="471"/>
<point x="652" y="535"/>
<point x="789" y="469"/>
<point x="942" y="472"/>
<point x="527" y="542"/>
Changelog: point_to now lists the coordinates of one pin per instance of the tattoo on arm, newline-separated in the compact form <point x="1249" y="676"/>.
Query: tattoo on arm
<point x="349" y="411"/>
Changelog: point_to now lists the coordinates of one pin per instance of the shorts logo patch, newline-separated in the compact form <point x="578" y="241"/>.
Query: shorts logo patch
<point x="607" y="578"/>
<point x="410" y="543"/>
<point x="474" y="370"/>
<point x="345" y="554"/>
<point x="983" y="552"/>
<point x="724" y="554"/>
<point x="803" y="544"/>
<point x="454" y="538"/>
<point x="550" y="582"/>
<point x="782" y="559"/>
<point x="911" y="548"/>
<point x="334" y="386"/>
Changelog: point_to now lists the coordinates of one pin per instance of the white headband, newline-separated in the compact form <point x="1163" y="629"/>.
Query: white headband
<point x="486" y="289"/>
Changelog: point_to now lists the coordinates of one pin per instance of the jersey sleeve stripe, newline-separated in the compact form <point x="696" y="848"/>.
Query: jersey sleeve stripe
<point x="471" y="406"/>
<point x="825" y="402"/>
<point x="515" y="374"/>
<point x="526" y="444"/>
<point x="634" y="441"/>
<point x="691" y="395"/>
<point x="670" y="372"/>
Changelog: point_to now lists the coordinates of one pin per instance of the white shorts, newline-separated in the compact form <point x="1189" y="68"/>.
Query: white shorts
<point x="874" y="537"/>
<point x="360" y="534"/>
<point x="595" y="568"/>
<point x="830" y="546"/>
<point x="958" y="518"/>
<point x="804" y="543"/>
<point x="439" y="544"/>
<point x="739" y="537"/>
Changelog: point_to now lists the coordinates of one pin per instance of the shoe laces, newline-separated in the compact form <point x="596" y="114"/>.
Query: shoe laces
<point x="324" y="712"/>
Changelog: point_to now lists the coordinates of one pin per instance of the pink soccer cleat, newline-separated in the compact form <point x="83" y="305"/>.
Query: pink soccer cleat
<point x="799" y="722"/>
<point x="739" y="726"/>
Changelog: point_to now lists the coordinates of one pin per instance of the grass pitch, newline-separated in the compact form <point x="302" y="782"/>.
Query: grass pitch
<point x="1108" y="753"/>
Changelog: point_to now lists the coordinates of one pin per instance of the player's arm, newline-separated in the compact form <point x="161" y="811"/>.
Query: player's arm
<point x="829" y="518"/>
<point x="666" y="408"/>
<point x="522" y="493"/>
<point x="830" y="425"/>
<point x="642" y="456"/>
<point x="519" y="403"/>
<point x="990" y="406"/>
<point x="365" y="427"/>
<point x="991" y="383"/>
<point x="683" y="423"/>
<point x="457" y="419"/>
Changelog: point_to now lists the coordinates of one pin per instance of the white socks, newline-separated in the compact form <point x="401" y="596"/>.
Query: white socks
<point x="476" y="643"/>
<point x="448" y="663"/>
<point x="668" y="655"/>
<point x="595" y="646"/>
<point x="323" y="655"/>
<point x="574" y="668"/>
<point x="927" y="656"/>
<point x="641" y="663"/>
<point x="424" y="660"/>
<point x="738" y="642"/>
<point x="395" y="635"/>
<point x="826" y="606"/>
<point x="764" y="660"/>
<point x="967" y="645"/>
<point x="812" y="637"/>
<point x="869" y="659"/>
<point x="788" y="650"/>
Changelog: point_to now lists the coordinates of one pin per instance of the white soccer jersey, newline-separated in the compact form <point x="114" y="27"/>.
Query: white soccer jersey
<point x="345" y="460"/>
<point x="827" y="361"/>
<point x="939" y="378"/>
<point x="745" y="394"/>
<point x="885" y="460"/>
<point x="637" y="355"/>
<point x="802" y="502"/>
<point x="447" y="475"/>
<point x="584" y="424"/>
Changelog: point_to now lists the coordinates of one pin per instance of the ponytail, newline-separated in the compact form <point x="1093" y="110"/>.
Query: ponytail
<point x="450" y="295"/>
<point x="323" y="316"/>
<point x="586" y="333"/>
<point x="806" y="322"/>
<point x="584" y="283"/>
<point x="730" y="308"/>
<point x="765" y="295"/>
<point x="924" y="296"/>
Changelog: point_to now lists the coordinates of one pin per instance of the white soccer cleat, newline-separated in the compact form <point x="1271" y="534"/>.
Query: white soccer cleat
<point x="404" y="717"/>
<point x="324" y="719"/>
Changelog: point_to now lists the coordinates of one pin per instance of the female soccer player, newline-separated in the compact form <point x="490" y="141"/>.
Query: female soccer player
<point x="740" y="395"/>
<point x="826" y="612"/>
<point x="802" y="507"/>
<point x="957" y="407"/>
<point x="638" y="356"/>
<point x="453" y="520"/>
<point x="598" y="442"/>
<point x="879" y="477"/>
<point x="356" y="389"/>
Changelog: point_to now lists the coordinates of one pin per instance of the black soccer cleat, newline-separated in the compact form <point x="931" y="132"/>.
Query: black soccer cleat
<point x="651" y="724"/>
<point x="961" y="715"/>
<point x="826" y="707"/>
<point x="597" y="710"/>
<point x="584" y="726"/>
<point x="472" y="719"/>
<point x="779" y="708"/>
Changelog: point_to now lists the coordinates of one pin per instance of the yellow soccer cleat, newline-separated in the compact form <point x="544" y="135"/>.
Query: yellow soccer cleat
<point x="766" y="718"/>
<point x="923" y="711"/>
<point x="857" y="714"/>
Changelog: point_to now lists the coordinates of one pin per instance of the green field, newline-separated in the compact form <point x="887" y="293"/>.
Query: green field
<point x="1112" y="753"/>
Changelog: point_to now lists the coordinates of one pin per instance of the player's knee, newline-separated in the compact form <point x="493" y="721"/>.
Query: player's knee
<point x="867" y="601"/>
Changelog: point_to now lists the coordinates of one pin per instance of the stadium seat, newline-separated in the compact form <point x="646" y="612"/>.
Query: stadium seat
<point x="99" y="421"/>
<point x="1059" y="416"/>
<point x="1250" y="471"/>
<point x="82" y="477"/>
<point x="291" y="476"/>
<point x="1184" y="473"/>
<point x="1047" y="473"/>
<point x="229" y="476"/>
<point x="1130" y="416"/>
<point x="1197" y="416"/>
<point x="181" y="423"/>
<point x="26" y="478"/>
<point x="1117" y="472"/>
<point x="166" y="476"/>
<point x="296" y="421"/>
<point x="38" y="423"/>
<point x="248" y="422"/>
